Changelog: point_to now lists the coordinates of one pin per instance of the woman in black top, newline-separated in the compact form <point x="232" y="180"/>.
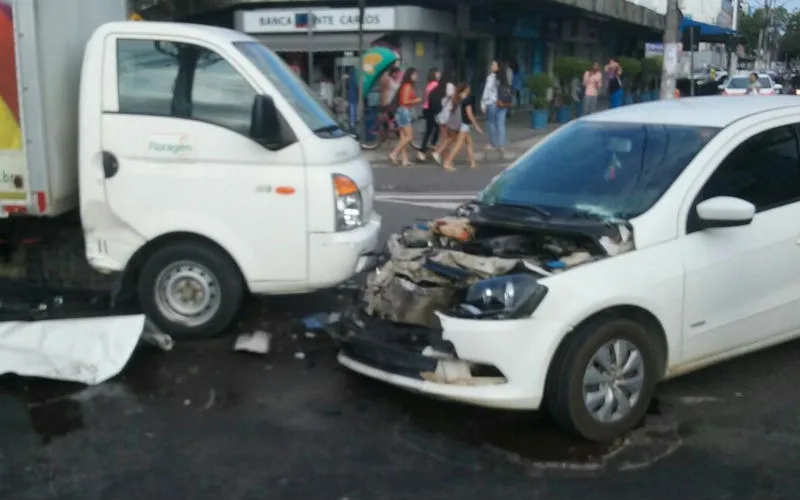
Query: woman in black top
<point x="463" y="108"/>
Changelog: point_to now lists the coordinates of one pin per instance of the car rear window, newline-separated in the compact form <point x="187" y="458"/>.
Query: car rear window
<point x="741" y="82"/>
<point x="738" y="83"/>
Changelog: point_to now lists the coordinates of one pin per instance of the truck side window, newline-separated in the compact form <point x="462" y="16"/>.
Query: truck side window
<point x="184" y="81"/>
<point x="145" y="78"/>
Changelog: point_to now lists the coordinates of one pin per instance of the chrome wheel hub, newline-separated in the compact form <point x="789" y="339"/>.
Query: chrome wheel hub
<point x="613" y="381"/>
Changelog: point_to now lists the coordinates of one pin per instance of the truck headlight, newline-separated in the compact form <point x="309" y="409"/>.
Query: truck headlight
<point x="505" y="297"/>
<point x="349" y="207"/>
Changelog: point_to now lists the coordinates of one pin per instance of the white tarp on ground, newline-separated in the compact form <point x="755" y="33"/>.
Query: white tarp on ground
<point x="87" y="350"/>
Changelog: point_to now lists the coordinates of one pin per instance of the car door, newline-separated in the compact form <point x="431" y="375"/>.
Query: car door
<point x="178" y="131"/>
<point x="742" y="284"/>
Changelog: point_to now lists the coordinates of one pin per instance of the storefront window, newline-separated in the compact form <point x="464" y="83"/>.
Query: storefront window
<point x="314" y="113"/>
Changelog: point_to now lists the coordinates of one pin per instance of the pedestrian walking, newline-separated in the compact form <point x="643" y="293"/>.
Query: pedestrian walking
<point x="352" y="98"/>
<point x="406" y="99"/>
<point x="592" y="81"/>
<point x="517" y="84"/>
<point x="444" y="94"/>
<point x="462" y="120"/>
<point x="613" y="74"/>
<point x="389" y="86"/>
<point x="430" y="108"/>
<point x="495" y="101"/>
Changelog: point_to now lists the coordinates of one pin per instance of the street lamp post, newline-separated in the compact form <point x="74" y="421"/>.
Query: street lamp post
<point x="359" y="73"/>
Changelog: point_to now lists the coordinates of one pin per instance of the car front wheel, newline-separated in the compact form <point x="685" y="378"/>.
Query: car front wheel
<point x="602" y="379"/>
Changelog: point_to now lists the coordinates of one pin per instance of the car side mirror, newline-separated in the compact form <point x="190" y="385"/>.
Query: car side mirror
<point x="725" y="211"/>
<point x="265" y="125"/>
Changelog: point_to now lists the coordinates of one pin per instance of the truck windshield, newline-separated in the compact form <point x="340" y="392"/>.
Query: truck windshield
<point x="601" y="169"/>
<point x="314" y="113"/>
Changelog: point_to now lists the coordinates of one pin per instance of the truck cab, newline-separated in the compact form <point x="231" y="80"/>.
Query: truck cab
<point x="205" y="170"/>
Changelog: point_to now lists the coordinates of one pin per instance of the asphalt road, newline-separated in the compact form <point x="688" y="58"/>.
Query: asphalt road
<point x="202" y="422"/>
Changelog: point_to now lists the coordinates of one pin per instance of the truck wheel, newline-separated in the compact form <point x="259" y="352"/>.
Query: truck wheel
<point x="191" y="290"/>
<point x="602" y="379"/>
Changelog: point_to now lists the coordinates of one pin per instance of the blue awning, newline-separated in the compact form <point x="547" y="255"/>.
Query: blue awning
<point x="710" y="33"/>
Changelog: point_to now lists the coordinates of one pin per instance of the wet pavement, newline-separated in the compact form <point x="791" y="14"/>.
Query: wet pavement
<point x="203" y="422"/>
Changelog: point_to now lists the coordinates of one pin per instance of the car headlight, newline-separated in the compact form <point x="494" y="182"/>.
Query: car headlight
<point x="505" y="297"/>
<point x="349" y="207"/>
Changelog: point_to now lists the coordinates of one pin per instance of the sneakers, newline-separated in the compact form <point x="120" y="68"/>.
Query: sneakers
<point x="437" y="157"/>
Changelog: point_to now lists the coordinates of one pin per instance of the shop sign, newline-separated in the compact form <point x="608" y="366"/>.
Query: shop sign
<point x="297" y="21"/>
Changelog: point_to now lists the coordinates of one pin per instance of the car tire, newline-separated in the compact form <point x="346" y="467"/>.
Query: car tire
<point x="564" y="393"/>
<point x="191" y="290"/>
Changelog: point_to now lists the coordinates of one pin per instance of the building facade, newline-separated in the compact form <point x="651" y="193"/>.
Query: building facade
<point x="464" y="36"/>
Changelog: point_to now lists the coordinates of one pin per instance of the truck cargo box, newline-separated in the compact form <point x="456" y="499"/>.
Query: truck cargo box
<point x="41" y="52"/>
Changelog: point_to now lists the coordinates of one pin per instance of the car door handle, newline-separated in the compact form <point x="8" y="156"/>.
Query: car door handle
<point x="110" y="165"/>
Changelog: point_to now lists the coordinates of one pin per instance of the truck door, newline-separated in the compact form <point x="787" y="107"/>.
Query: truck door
<point x="178" y="156"/>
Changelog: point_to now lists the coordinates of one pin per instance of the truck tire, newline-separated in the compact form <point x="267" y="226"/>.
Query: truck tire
<point x="191" y="290"/>
<point x="594" y="394"/>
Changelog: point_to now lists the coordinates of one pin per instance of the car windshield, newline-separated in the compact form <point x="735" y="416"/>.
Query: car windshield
<point x="742" y="82"/>
<point x="314" y="113"/>
<point x="602" y="170"/>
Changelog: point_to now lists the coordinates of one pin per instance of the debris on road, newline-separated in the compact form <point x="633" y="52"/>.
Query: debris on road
<point x="482" y="263"/>
<point x="257" y="342"/>
<point x="85" y="350"/>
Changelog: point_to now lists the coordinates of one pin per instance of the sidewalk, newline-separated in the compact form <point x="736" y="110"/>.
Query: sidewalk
<point x="520" y="137"/>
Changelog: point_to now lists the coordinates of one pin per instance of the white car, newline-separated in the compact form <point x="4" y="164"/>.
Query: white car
<point x="737" y="85"/>
<point x="709" y="191"/>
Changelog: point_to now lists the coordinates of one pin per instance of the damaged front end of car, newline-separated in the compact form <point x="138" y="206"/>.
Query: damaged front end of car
<point x="483" y="265"/>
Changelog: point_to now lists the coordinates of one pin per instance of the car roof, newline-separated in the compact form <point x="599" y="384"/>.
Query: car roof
<point x="711" y="111"/>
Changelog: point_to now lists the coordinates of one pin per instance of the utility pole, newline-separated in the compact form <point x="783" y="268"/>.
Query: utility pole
<point x="734" y="59"/>
<point x="310" y="45"/>
<point x="359" y="73"/>
<point x="767" y="14"/>
<point x="671" y="45"/>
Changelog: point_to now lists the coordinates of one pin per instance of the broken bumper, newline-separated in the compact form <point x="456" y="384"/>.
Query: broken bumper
<point x="498" y="364"/>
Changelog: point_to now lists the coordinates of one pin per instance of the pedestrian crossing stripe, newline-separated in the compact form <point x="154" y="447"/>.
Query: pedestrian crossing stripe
<point x="442" y="201"/>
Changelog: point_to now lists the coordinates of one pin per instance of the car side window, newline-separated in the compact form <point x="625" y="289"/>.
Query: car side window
<point x="184" y="81"/>
<point x="764" y="170"/>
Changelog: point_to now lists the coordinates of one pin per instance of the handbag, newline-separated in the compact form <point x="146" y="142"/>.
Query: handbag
<point x="444" y="115"/>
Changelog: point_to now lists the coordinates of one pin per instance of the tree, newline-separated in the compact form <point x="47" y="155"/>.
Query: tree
<point x="773" y="22"/>
<point x="790" y="41"/>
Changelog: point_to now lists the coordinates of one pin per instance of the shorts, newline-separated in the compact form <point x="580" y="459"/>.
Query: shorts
<point x="461" y="128"/>
<point x="403" y="117"/>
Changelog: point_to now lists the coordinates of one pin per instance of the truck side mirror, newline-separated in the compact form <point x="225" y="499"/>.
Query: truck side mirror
<point x="265" y="125"/>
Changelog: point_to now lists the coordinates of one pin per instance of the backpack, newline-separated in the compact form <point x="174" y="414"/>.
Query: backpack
<point x="435" y="99"/>
<point x="505" y="97"/>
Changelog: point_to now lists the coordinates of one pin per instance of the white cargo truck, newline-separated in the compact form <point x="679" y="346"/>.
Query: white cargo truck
<point x="185" y="163"/>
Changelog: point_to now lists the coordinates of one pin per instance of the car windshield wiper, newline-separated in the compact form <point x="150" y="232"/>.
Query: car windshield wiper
<point x="541" y="212"/>
<point x="327" y="128"/>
